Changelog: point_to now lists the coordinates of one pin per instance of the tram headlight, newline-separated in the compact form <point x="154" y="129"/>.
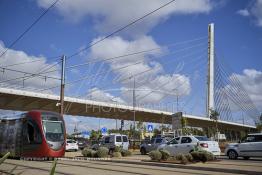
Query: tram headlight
<point x="50" y="145"/>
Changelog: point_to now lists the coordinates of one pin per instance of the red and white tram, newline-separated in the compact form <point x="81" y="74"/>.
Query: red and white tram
<point x="33" y="134"/>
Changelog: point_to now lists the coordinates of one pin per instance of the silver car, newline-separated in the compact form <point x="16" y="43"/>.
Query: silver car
<point x="250" y="146"/>
<point x="151" y="145"/>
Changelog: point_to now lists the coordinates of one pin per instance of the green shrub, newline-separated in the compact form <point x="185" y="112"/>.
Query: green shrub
<point x="118" y="149"/>
<point x="189" y="157"/>
<point x="94" y="153"/>
<point x="126" y="153"/>
<point x="182" y="158"/>
<point x="209" y="155"/>
<point x="165" y="154"/>
<point x="155" y="155"/>
<point x="202" y="156"/>
<point x="87" y="152"/>
<point x="102" y="152"/>
<point x="117" y="154"/>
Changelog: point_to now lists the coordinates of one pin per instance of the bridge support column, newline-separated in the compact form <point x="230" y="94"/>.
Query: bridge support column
<point x="211" y="68"/>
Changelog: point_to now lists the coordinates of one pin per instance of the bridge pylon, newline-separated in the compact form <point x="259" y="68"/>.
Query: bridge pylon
<point x="211" y="70"/>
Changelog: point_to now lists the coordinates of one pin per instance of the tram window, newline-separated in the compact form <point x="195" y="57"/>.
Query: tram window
<point x="30" y="132"/>
<point x="33" y="135"/>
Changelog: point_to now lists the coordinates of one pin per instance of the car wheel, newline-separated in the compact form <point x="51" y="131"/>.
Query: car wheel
<point x="143" y="151"/>
<point x="246" y="158"/>
<point x="232" y="154"/>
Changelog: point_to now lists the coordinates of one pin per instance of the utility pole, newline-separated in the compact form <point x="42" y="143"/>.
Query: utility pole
<point x="177" y="102"/>
<point x="211" y="68"/>
<point x="134" y="102"/>
<point x="62" y="90"/>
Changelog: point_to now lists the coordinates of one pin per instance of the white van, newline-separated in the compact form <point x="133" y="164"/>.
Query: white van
<point x="113" y="140"/>
<point x="251" y="146"/>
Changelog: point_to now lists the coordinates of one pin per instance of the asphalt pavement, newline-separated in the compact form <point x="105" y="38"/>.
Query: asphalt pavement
<point x="130" y="165"/>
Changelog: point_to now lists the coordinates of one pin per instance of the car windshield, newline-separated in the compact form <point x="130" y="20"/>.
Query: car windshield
<point x="202" y="138"/>
<point x="53" y="130"/>
<point x="70" y="141"/>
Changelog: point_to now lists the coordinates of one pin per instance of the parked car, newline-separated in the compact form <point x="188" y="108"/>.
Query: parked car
<point x="111" y="141"/>
<point x="82" y="143"/>
<point x="150" y="145"/>
<point x="71" y="145"/>
<point x="250" y="146"/>
<point x="187" y="144"/>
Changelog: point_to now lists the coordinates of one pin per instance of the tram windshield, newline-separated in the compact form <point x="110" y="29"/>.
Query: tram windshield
<point x="53" y="130"/>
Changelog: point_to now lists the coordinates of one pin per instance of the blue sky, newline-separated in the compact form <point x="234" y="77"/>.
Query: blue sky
<point x="72" y="25"/>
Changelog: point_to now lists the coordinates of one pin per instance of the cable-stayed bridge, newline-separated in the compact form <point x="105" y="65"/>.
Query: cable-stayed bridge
<point x="223" y="93"/>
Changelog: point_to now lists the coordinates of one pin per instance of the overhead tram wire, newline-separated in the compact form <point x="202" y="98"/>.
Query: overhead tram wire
<point x="120" y="29"/>
<point x="148" y="70"/>
<point x="68" y="106"/>
<point x="82" y="95"/>
<point x="164" y="84"/>
<point x="31" y="75"/>
<point x="18" y="71"/>
<point x="29" y="28"/>
<point x="29" y="62"/>
<point x="168" y="81"/>
<point x="139" y="52"/>
<point x="88" y="77"/>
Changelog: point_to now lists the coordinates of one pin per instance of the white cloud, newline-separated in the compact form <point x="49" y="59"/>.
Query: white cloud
<point x="126" y="67"/>
<point x="254" y="11"/>
<point x="243" y="12"/>
<point x="251" y="80"/>
<point x="149" y="74"/>
<point x="159" y="88"/>
<point x="109" y="15"/>
<point x="13" y="57"/>
<point x="101" y="95"/>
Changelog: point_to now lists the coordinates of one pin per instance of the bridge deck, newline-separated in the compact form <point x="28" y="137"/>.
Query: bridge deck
<point x="20" y="100"/>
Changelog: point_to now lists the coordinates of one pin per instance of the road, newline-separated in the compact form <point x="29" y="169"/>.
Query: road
<point x="124" y="166"/>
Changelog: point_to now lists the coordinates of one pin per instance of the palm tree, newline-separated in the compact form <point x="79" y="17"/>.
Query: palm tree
<point x="214" y="116"/>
